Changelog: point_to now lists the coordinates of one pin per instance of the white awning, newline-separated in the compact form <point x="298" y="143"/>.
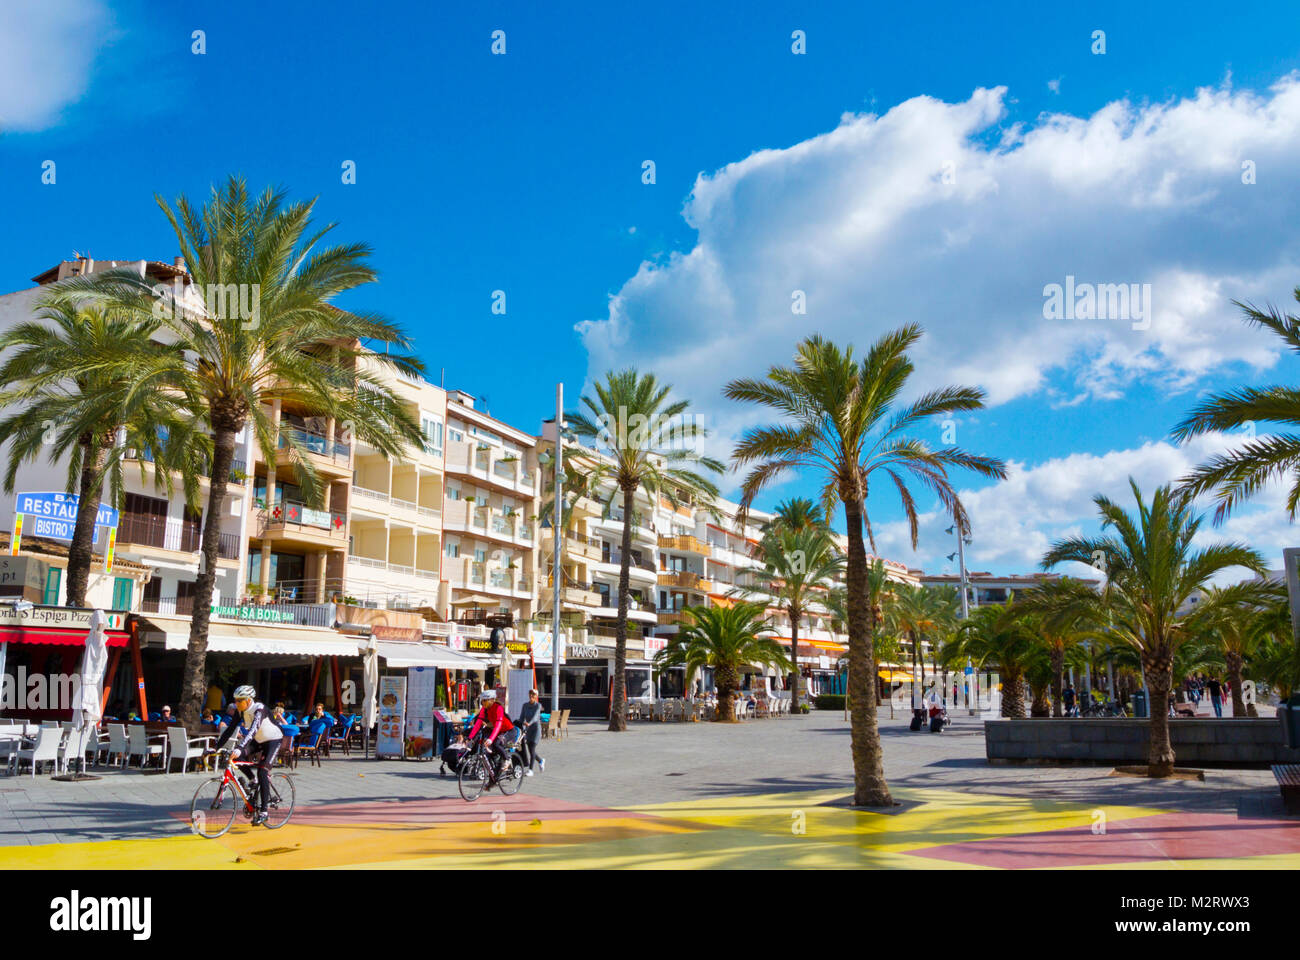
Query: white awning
<point x="285" y="640"/>
<point x="397" y="654"/>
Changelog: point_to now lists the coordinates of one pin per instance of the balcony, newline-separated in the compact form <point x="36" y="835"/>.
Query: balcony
<point x="670" y="618"/>
<point x="685" y="580"/>
<point x="575" y="545"/>
<point x="684" y="544"/>
<point x="170" y="533"/>
<point x="294" y="521"/>
<point x="334" y="455"/>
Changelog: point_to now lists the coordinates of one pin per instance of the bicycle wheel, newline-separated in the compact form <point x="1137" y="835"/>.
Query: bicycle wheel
<point x="280" y="807"/>
<point x="213" y="809"/>
<point x="473" y="778"/>
<point x="513" y="778"/>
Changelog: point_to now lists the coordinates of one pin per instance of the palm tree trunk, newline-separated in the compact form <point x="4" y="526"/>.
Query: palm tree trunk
<point x="1158" y="667"/>
<point x="80" y="551"/>
<point x="1235" y="665"/>
<point x="1058" y="679"/>
<point x="1038" y="704"/>
<point x="869" y="786"/>
<point x="916" y="678"/>
<point x="795" y="614"/>
<point x="194" y="684"/>
<point x="724" y="675"/>
<point x="618" y="701"/>
<point x="1013" y="696"/>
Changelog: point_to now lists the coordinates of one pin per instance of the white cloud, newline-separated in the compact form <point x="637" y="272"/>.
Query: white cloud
<point x="863" y="220"/>
<point x="1015" y="520"/>
<point x="46" y="51"/>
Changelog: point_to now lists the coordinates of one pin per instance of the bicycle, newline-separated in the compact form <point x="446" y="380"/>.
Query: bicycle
<point x="478" y="772"/>
<point x="217" y="801"/>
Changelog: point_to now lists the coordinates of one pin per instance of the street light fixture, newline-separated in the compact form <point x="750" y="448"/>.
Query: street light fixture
<point x="960" y="554"/>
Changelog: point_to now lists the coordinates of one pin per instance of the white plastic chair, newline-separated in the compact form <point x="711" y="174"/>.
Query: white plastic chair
<point x="117" y="744"/>
<point x="140" y="744"/>
<point x="44" y="748"/>
<point x="182" y="747"/>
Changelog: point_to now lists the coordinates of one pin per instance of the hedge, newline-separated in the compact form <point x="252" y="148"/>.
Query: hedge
<point x="829" y="701"/>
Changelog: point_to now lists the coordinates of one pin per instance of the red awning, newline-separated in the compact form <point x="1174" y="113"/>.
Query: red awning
<point x="67" y="638"/>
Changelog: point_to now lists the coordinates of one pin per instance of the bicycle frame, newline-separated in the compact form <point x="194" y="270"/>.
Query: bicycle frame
<point x="229" y="779"/>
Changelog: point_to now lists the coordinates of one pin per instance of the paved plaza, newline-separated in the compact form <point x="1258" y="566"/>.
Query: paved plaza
<point x="764" y="793"/>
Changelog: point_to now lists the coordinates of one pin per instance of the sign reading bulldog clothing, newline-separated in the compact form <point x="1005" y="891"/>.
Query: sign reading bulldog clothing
<point x="484" y="645"/>
<point x="392" y="715"/>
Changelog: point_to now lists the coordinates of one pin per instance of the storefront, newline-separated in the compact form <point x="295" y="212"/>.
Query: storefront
<point x="40" y="658"/>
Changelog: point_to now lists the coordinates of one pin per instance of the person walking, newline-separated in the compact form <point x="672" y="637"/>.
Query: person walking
<point x="1216" y="695"/>
<point x="1067" y="698"/>
<point x="530" y="724"/>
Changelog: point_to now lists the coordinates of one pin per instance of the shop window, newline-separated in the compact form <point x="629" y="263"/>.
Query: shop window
<point x="53" y="580"/>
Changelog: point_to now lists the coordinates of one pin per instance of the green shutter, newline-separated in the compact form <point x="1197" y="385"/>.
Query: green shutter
<point x="122" y="593"/>
<point x="53" y="580"/>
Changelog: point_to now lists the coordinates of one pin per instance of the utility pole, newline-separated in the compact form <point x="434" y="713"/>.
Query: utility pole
<point x="557" y="542"/>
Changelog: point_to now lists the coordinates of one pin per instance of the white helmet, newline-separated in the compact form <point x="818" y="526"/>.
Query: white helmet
<point x="245" y="693"/>
<point x="488" y="695"/>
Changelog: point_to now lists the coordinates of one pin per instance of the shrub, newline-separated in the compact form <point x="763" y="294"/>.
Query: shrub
<point x="829" y="701"/>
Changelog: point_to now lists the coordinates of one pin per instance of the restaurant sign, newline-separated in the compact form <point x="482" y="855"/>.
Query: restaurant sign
<point x="252" y="612"/>
<point x="62" y="618"/>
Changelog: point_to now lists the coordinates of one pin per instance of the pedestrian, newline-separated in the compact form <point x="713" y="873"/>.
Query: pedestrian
<point x="1067" y="698"/>
<point x="1216" y="695"/>
<point x="530" y="724"/>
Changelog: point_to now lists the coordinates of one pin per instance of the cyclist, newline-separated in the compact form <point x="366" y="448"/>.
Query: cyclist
<point x="262" y="739"/>
<point x="501" y="735"/>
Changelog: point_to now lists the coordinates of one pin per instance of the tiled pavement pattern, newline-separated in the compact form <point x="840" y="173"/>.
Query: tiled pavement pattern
<point x="766" y="792"/>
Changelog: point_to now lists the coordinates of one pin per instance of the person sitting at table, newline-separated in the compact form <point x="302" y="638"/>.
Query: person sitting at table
<point x="167" y="715"/>
<point x="277" y="716"/>
<point x="320" y="720"/>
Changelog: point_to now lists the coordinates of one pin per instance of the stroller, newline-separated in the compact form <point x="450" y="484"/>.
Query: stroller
<point x="938" y="717"/>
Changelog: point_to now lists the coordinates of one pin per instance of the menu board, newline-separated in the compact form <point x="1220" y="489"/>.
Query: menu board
<point x="421" y="690"/>
<point x="392" y="710"/>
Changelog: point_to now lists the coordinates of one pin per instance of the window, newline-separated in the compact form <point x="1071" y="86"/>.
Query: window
<point x="455" y="435"/>
<point x="53" y="580"/>
<point x="431" y="427"/>
<point x="453" y="550"/>
<point x="453" y="493"/>
<point x="122" y="593"/>
<point x="480" y="555"/>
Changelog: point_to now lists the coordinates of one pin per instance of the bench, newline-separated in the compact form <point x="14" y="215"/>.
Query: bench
<point x="1288" y="781"/>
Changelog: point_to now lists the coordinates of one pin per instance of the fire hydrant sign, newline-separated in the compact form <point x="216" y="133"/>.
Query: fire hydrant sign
<point x="392" y="717"/>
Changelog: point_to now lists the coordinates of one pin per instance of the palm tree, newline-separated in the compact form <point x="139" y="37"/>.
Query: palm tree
<point x="296" y="346"/>
<point x="1236" y="628"/>
<point x="839" y="411"/>
<point x="726" y="639"/>
<point x="1235" y="476"/>
<point x="1151" y="570"/>
<point x="1064" y="610"/>
<point x="76" y="377"/>
<point x="797" y="565"/>
<point x="797" y="513"/>
<point x="998" y="635"/>
<point x="649" y="445"/>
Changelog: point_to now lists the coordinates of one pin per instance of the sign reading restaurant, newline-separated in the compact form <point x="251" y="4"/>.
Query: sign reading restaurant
<point x="252" y="612"/>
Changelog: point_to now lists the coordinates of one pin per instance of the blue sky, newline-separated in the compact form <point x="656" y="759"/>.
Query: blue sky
<point x="523" y="173"/>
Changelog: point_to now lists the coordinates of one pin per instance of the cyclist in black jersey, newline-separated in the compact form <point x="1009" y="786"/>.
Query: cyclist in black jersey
<point x="261" y="739"/>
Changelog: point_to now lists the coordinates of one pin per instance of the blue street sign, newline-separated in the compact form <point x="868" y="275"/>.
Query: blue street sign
<point x="61" y="506"/>
<point x="55" y="529"/>
<point x="969" y="671"/>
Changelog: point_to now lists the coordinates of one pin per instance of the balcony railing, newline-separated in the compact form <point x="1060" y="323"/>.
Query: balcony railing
<point x="315" y="443"/>
<point x="685" y="544"/>
<point x="291" y="514"/>
<point x="643" y="562"/>
<point x="684" y="579"/>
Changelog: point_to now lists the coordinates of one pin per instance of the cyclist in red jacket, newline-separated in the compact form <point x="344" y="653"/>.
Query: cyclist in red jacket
<point x="501" y="732"/>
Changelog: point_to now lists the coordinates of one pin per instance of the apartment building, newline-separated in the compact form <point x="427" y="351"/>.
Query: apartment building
<point x="985" y="588"/>
<point x="489" y="516"/>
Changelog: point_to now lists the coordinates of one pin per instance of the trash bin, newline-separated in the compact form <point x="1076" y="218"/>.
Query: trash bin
<point x="1140" y="708"/>
<point x="1289" y="714"/>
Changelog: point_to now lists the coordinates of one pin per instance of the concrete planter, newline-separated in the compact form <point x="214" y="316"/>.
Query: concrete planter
<point x="1247" y="742"/>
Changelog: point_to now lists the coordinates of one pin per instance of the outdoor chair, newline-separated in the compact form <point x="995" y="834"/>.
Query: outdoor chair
<point x="117" y="744"/>
<point x="311" y="746"/>
<point x="288" y="756"/>
<point x="342" y="735"/>
<point x="179" y="744"/>
<point x="564" y="724"/>
<point x="141" y="744"/>
<point x="45" y="747"/>
<point x="552" y="729"/>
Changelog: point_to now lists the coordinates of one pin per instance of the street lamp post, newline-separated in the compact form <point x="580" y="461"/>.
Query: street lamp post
<point x="965" y="609"/>
<point x="557" y="543"/>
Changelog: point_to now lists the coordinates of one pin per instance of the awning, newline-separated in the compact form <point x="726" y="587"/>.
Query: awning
<point x="66" y="638"/>
<point x="285" y="640"/>
<point x="896" y="676"/>
<point x="478" y="600"/>
<point x="397" y="654"/>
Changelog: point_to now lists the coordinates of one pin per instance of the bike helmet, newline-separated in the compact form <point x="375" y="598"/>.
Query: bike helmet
<point x="245" y="693"/>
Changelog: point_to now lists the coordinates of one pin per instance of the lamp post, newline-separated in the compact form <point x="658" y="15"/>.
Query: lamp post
<point x="557" y="543"/>
<point x="960" y="553"/>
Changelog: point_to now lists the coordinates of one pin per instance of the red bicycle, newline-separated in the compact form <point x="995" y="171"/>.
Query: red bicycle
<point x="217" y="801"/>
